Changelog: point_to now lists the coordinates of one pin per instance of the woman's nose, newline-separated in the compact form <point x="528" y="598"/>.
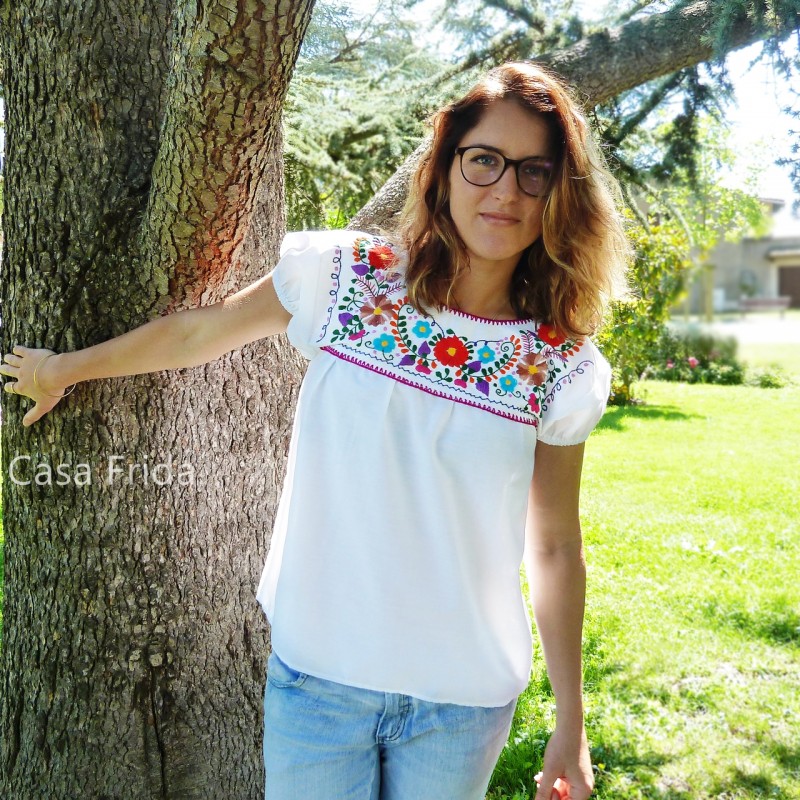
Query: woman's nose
<point x="507" y="186"/>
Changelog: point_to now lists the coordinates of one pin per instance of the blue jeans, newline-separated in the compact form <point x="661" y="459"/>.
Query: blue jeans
<point x="327" y="741"/>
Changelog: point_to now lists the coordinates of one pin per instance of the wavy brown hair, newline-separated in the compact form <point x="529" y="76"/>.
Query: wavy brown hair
<point x="566" y="276"/>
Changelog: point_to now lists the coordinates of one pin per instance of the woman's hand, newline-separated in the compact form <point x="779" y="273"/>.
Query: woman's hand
<point x="22" y="365"/>
<point x="567" y="771"/>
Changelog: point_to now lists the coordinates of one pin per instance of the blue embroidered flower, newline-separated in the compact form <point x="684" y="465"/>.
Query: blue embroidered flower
<point x="422" y="329"/>
<point x="384" y="343"/>
<point x="486" y="354"/>
<point x="507" y="383"/>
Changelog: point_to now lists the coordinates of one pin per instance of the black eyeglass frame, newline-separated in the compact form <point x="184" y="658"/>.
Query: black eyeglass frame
<point x="507" y="162"/>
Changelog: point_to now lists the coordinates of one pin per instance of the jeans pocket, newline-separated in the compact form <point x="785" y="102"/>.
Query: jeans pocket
<point x="281" y="675"/>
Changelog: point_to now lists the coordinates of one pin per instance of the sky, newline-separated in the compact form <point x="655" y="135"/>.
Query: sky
<point x="759" y="126"/>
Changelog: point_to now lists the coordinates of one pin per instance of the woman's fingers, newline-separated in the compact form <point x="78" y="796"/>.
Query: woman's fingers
<point x="9" y="369"/>
<point x="20" y="366"/>
<point x="35" y="414"/>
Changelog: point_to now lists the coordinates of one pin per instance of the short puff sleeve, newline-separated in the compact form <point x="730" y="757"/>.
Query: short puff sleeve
<point x="577" y="399"/>
<point x="302" y="281"/>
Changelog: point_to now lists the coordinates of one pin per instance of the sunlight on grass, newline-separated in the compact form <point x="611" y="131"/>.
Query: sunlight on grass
<point x="692" y="641"/>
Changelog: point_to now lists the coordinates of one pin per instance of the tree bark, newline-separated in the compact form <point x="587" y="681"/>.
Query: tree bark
<point x="605" y="64"/>
<point x="142" y="137"/>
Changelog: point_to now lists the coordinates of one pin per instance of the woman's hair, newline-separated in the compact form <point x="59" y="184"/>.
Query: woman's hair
<point x="566" y="276"/>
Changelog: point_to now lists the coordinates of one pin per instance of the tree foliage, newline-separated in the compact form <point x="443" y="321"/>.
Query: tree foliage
<point x="354" y="110"/>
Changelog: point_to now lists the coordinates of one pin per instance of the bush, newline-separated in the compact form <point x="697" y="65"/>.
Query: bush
<point x="694" y="357"/>
<point x="773" y="377"/>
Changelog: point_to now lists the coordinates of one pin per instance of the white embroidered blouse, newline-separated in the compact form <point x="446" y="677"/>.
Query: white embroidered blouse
<point x="395" y="558"/>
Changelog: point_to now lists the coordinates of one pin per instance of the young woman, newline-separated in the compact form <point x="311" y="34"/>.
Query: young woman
<point x="443" y="364"/>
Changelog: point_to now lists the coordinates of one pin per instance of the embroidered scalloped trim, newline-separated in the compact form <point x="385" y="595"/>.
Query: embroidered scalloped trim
<point x="459" y="313"/>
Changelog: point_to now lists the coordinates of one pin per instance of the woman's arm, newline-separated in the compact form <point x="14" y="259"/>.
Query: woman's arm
<point x="183" y="339"/>
<point x="557" y="578"/>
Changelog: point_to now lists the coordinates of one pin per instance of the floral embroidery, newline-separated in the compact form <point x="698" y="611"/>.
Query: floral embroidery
<point x="485" y="355"/>
<point x="533" y="369"/>
<point x="513" y="368"/>
<point x="451" y="351"/>
<point x="375" y="311"/>
<point x="382" y="257"/>
<point x="508" y="384"/>
<point x="384" y="343"/>
<point x="422" y="329"/>
<point x="549" y="334"/>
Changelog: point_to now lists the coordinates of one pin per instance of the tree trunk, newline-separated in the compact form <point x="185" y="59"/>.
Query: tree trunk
<point x="606" y="64"/>
<point x="142" y="135"/>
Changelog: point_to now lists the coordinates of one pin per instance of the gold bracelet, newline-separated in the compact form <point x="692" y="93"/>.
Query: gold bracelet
<point x="36" y="383"/>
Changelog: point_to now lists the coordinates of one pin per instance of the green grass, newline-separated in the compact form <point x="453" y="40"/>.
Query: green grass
<point x="692" y="644"/>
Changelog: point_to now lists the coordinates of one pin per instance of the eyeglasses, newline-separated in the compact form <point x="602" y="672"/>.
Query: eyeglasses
<point x="483" y="166"/>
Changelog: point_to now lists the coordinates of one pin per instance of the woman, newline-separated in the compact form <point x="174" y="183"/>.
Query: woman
<point x="443" y="364"/>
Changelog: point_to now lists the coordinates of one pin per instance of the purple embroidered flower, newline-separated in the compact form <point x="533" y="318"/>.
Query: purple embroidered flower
<point x="377" y="310"/>
<point x="345" y="319"/>
<point x="407" y="361"/>
<point x="483" y="387"/>
<point x="424" y="349"/>
<point x="360" y="269"/>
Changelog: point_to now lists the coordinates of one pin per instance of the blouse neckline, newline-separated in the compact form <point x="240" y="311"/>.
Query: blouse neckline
<point x="459" y="313"/>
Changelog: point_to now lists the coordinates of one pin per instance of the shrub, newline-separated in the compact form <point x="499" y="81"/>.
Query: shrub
<point x="773" y="377"/>
<point x="694" y="357"/>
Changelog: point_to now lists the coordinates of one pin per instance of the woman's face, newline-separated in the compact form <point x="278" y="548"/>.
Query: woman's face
<point x="498" y="222"/>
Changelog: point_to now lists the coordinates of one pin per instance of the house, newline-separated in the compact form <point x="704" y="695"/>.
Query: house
<point x="763" y="269"/>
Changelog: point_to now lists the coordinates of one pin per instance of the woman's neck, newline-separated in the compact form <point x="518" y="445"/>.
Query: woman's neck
<point x="483" y="294"/>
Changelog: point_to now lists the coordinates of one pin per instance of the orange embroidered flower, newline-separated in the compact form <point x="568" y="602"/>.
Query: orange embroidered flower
<point x="550" y="335"/>
<point x="451" y="351"/>
<point x="381" y="257"/>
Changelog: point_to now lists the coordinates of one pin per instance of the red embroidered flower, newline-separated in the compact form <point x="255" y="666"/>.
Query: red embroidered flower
<point x="377" y="310"/>
<point x="551" y="335"/>
<point x="451" y="351"/>
<point x="533" y="369"/>
<point x="533" y="403"/>
<point x="381" y="257"/>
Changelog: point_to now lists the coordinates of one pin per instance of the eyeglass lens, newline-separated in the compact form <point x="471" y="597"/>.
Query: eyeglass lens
<point x="482" y="167"/>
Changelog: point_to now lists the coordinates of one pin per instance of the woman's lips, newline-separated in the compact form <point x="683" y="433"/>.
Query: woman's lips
<point x="495" y="218"/>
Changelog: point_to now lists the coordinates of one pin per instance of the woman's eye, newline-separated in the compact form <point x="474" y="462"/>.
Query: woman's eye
<point x="485" y="160"/>
<point x="537" y="172"/>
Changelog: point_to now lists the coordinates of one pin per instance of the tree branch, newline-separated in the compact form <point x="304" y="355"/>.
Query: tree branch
<point x="637" y="52"/>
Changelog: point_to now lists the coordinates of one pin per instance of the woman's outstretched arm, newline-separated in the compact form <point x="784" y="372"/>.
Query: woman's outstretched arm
<point x="183" y="339"/>
<point x="557" y="578"/>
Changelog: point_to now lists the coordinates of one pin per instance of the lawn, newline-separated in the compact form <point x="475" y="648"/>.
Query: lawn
<point x="692" y="640"/>
<point x="690" y="508"/>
